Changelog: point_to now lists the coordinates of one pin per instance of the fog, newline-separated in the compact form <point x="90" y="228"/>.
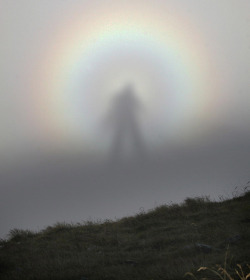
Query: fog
<point x="111" y="107"/>
<point x="43" y="191"/>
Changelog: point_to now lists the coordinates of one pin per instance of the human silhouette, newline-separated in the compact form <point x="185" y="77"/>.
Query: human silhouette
<point x="123" y="118"/>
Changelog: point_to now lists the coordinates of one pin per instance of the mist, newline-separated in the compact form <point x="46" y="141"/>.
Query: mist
<point x="108" y="108"/>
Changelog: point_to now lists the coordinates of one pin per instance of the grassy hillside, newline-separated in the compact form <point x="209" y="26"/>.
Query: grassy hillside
<point x="163" y="243"/>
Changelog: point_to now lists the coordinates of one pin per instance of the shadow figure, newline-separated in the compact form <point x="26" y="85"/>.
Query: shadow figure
<point x="127" y="140"/>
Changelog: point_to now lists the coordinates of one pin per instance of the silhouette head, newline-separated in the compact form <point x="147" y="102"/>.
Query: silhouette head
<point x="128" y="90"/>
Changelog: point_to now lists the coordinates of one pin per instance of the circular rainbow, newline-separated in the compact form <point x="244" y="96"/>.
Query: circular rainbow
<point x="94" y="54"/>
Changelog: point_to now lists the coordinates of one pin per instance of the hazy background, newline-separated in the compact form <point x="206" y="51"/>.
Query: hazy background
<point x="74" y="145"/>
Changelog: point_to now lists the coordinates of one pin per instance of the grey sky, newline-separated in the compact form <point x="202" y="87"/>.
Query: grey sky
<point x="33" y="191"/>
